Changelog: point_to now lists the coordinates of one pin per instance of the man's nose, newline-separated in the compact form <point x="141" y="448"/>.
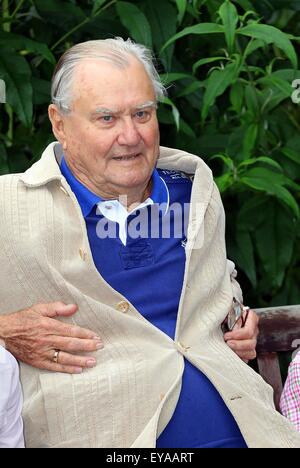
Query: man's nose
<point x="129" y="134"/>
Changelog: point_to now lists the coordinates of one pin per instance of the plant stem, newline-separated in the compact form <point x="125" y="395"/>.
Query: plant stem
<point x="78" y="26"/>
<point x="5" y="15"/>
<point x="10" y="132"/>
<point x="17" y="8"/>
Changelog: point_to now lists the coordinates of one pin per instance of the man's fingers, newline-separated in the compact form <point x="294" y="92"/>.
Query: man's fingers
<point x="250" y="330"/>
<point x="69" y="360"/>
<point x="242" y="346"/>
<point x="249" y="356"/>
<point x="246" y="351"/>
<point x="51" y="366"/>
<point x="55" y="309"/>
<point x="75" y="345"/>
<point x="73" y="331"/>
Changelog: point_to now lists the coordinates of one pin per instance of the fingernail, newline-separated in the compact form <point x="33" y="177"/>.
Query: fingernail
<point x="78" y="370"/>
<point x="97" y="338"/>
<point x="99" y="346"/>
<point x="91" y="363"/>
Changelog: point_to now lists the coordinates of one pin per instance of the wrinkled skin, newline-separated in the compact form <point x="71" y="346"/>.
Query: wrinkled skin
<point x="32" y="336"/>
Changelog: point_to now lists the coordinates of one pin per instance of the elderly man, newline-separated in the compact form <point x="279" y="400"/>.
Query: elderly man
<point x="133" y="234"/>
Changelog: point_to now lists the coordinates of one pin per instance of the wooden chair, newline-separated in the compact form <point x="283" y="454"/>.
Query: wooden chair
<point x="279" y="332"/>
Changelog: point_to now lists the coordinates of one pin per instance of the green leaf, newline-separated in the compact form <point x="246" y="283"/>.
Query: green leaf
<point x="275" y="240"/>
<point x="245" y="254"/>
<point x="262" y="159"/>
<point x="252" y="212"/>
<point x="185" y="128"/>
<point x="252" y="101"/>
<point x="162" y="17"/>
<point x="226" y="160"/>
<point x="41" y="91"/>
<point x="18" y="42"/>
<point x="229" y="16"/>
<point x="287" y="74"/>
<point x="181" y="5"/>
<point x="237" y="97"/>
<point x="69" y="14"/>
<point x="256" y="44"/>
<point x="4" y="168"/>
<point x="217" y="84"/>
<point x="250" y="140"/>
<point x="246" y="4"/>
<point x="16" y="73"/>
<point x="269" y="34"/>
<point x="272" y="183"/>
<point x="168" y="78"/>
<point x="203" y="28"/>
<point x="292" y="149"/>
<point x="206" y="61"/>
<point x="97" y="5"/>
<point x="136" y="22"/>
<point x="190" y="89"/>
<point x="273" y="81"/>
<point x="224" y="182"/>
<point x="291" y="154"/>
<point x="175" y="111"/>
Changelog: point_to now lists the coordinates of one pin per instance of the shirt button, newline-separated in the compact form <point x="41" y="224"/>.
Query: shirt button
<point x="82" y="254"/>
<point x="181" y="347"/>
<point x="122" y="306"/>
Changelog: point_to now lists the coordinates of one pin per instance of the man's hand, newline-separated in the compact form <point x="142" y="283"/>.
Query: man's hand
<point x="34" y="336"/>
<point x="243" y="341"/>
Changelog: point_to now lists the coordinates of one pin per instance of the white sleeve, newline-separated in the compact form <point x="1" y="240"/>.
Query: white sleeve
<point x="11" y="424"/>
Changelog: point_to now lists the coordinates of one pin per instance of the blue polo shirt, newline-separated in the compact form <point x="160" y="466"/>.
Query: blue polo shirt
<point x="147" y="247"/>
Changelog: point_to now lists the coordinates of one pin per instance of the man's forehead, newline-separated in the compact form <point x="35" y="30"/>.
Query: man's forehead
<point x="104" y="68"/>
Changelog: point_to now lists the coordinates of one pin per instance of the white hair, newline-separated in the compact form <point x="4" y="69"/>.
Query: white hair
<point x="115" y="51"/>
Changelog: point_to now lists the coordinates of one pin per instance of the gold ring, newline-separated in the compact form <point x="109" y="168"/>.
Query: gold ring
<point x="55" y="356"/>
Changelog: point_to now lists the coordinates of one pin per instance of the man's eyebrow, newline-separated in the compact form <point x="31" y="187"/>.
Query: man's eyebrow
<point x="145" y="105"/>
<point x="104" y="110"/>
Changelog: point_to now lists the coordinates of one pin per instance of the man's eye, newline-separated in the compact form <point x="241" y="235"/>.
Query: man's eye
<point x="107" y="118"/>
<point x="142" y="115"/>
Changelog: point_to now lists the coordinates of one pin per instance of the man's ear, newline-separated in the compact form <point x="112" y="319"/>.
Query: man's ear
<point x="57" y="121"/>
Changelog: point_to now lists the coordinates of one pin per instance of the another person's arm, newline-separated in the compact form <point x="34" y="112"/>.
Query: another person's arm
<point x="290" y="398"/>
<point x="35" y="337"/>
<point x="11" y="424"/>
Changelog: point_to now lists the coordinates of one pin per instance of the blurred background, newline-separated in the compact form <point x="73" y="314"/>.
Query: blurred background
<point x="231" y="69"/>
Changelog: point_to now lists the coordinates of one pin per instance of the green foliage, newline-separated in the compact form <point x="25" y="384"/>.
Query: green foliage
<point x="229" y="67"/>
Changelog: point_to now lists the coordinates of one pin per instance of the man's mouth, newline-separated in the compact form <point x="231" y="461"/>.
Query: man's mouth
<point x="126" y="157"/>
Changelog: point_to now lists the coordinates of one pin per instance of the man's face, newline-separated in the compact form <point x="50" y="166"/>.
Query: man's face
<point x="112" y="134"/>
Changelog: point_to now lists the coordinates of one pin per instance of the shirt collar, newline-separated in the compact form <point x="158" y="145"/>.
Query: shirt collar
<point x="88" y="199"/>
